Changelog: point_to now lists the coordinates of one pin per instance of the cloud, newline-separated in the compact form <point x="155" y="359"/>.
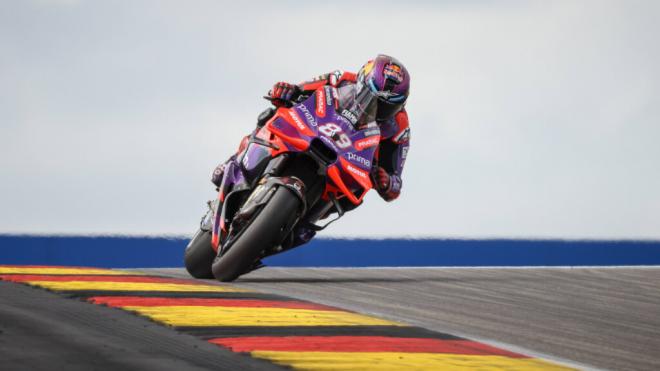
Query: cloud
<point x="528" y="118"/>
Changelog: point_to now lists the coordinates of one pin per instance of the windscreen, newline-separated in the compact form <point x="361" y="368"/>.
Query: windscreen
<point x="360" y="101"/>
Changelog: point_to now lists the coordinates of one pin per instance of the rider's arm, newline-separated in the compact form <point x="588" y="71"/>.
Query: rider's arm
<point x="284" y="92"/>
<point x="392" y="153"/>
<point x="334" y="78"/>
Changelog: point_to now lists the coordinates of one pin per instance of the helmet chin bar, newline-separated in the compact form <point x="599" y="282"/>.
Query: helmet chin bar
<point x="386" y="110"/>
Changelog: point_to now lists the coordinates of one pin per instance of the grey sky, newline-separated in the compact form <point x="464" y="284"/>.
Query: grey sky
<point x="529" y="118"/>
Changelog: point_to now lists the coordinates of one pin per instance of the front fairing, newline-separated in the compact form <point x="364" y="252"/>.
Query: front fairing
<point x="320" y="117"/>
<point x="293" y="130"/>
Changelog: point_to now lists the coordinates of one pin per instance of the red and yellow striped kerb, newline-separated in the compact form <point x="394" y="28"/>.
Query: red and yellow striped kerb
<point x="294" y="333"/>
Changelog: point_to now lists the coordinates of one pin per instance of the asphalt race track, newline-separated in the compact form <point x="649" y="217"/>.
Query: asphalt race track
<point x="607" y="318"/>
<point x="40" y="330"/>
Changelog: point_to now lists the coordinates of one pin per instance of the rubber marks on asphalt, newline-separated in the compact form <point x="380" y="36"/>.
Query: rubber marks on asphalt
<point x="289" y="332"/>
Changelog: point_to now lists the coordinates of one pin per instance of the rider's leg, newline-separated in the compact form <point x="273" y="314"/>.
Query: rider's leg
<point x="219" y="171"/>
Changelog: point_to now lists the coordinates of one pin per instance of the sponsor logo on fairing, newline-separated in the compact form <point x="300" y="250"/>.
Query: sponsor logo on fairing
<point x="404" y="153"/>
<point x="367" y="142"/>
<point x="350" y="116"/>
<point x="328" y="95"/>
<point x="308" y="115"/>
<point x="342" y="119"/>
<point x="357" y="171"/>
<point x="357" y="158"/>
<point x="297" y="120"/>
<point x="320" y="103"/>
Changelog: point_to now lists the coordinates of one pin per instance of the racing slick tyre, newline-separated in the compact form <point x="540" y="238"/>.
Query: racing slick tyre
<point x="199" y="255"/>
<point x="263" y="232"/>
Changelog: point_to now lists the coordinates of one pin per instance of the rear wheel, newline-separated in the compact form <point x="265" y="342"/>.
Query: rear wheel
<point x="199" y="255"/>
<point x="263" y="232"/>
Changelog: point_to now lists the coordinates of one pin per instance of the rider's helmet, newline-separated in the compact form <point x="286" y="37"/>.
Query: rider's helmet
<point x="382" y="88"/>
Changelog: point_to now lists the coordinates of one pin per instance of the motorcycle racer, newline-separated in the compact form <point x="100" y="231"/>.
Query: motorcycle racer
<point x="307" y="160"/>
<point x="376" y="94"/>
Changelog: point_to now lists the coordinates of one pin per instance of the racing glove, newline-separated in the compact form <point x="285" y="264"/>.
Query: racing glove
<point x="388" y="186"/>
<point x="380" y="178"/>
<point x="283" y="92"/>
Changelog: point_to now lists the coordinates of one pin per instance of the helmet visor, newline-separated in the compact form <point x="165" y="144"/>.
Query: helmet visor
<point x="365" y="103"/>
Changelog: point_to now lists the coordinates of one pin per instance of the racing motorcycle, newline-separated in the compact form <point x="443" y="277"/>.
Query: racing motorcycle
<point x="305" y="160"/>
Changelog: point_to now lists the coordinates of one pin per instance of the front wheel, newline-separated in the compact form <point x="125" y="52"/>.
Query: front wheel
<point x="264" y="231"/>
<point x="199" y="255"/>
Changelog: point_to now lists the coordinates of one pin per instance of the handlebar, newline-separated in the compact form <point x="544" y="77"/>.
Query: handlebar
<point x="287" y="103"/>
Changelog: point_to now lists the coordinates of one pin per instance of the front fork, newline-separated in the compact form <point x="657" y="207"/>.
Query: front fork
<point x="206" y="224"/>
<point x="259" y="197"/>
<point x="212" y="222"/>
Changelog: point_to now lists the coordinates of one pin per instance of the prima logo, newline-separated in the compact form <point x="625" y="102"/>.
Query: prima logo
<point x="308" y="115"/>
<point x="359" y="159"/>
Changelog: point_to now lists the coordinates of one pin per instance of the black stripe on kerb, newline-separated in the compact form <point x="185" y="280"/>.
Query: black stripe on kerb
<point x="240" y="331"/>
<point x="176" y="294"/>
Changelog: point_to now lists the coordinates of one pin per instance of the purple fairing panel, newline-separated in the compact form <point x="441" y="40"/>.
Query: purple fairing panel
<point x="254" y="159"/>
<point x="354" y="146"/>
<point x="233" y="177"/>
